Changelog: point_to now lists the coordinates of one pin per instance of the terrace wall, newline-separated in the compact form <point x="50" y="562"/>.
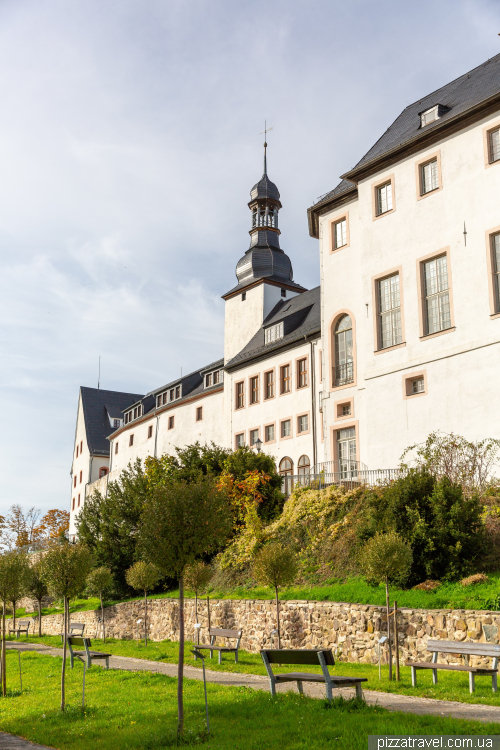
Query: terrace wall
<point x="351" y="629"/>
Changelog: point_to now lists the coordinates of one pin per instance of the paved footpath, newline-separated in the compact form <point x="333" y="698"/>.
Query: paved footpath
<point x="390" y="701"/>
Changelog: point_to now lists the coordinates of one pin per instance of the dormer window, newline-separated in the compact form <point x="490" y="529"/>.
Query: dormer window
<point x="432" y="114"/>
<point x="274" y="333"/>
<point x="213" y="378"/>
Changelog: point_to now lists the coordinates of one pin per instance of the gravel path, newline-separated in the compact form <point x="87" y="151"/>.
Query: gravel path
<point x="406" y="703"/>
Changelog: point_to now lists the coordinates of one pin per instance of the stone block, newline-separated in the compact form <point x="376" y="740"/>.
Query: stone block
<point x="491" y="633"/>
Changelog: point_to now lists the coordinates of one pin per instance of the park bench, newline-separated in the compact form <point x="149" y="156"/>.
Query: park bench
<point x="215" y="633"/>
<point x="74" y="628"/>
<point x="465" y="650"/>
<point x="322" y="657"/>
<point x="86" y="655"/>
<point x="22" y="626"/>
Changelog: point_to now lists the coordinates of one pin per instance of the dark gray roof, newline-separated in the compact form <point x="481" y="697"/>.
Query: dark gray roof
<point x="264" y="188"/>
<point x="460" y="95"/>
<point x="96" y="405"/>
<point x="301" y="318"/>
<point x="114" y="411"/>
<point x="278" y="280"/>
<point x="343" y="187"/>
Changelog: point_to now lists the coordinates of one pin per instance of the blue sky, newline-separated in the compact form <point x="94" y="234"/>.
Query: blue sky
<point x="129" y="141"/>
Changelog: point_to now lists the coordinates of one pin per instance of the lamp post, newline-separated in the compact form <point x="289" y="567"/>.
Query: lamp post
<point x="199" y="655"/>
<point x="258" y="445"/>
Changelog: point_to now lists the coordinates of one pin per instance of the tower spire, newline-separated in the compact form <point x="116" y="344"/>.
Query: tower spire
<point x="264" y="133"/>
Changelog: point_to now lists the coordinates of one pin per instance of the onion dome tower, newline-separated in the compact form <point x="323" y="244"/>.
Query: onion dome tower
<point x="264" y="259"/>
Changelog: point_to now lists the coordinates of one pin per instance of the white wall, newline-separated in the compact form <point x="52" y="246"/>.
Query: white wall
<point x="462" y="365"/>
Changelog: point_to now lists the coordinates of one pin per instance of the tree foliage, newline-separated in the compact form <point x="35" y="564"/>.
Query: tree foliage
<point x="189" y="464"/>
<point x="275" y="565"/>
<point x="465" y="462"/>
<point x="36" y="585"/>
<point x="386" y="558"/>
<point x="143" y="576"/>
<point x="197" y="576"/>
<point x="244" y="466"/>
<point x="14" y="570"/>
<point x="444" y="528"/>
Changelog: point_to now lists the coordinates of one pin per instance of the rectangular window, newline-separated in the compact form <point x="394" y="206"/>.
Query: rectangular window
<point x="389" y="310"/>
<point x="77" y="451"/>
<point x="208" y="380"/>
<point x="240" y="395"/>
<point x="285" y="379"/>
<point x="429" y="177"/>
<point x="240" y="440"/>
<point x="274" y="333"/>
<point x="269" y="384"/>
<point x="254" y="390"/>
<point x="346" y="453"/>
<point x="135" y="413"/>
<point x="116" y="423"/>
<point x="171" y="423"/>
<point x="150" y="431"/>
<point x="346" y="410"/>
<point x="418" y="385"/>
<point x="81" y="476"/>
<point x="172" y="394"/>
<point x="158" y="401"/>
<point x="74" y="483"/>
<point x="116" y="448"/>
<point x="131" y="440"/>
<point x="73" y="504"/>
<point x="303" y="423"/>
<point x="286" y="428"/>
<point x="199" y="413"/>
<point x="495" y="241"/>
<point x="164" y="399"/>
<point x="302" y="373"/>
<point x="269" y="433"/>
<point x="340" y="233"/>
<point x="178" y="392"/>
<point x="254" y="436"/>
<point x="384" y="198"/>
<point x="437" y="296"/>
<point x="243" y="296"/>
<point x="216" y="377"/>
<point x="494" y="138"/>
<point x="78" y="500"/>
<point x="429" y="116"/>
<point x="81" y="447"/>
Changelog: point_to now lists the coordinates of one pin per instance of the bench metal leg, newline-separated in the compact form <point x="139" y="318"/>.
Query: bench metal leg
<point x="272" y="686"/>
<point x="413" y="677"/>
<point x="211" y="654"/>
<point x="300" y="687"/>
<point x="359" y="691"/>
<point x="71" y="659"/>
<point x="434" y="677"/>
<point x="494" y="685"/>
<point x="107" y="662"/>
<point x="236" y="656"/>
<point x="328" y="691"/>
<point x="472" y="684"/>
<point x="220" y="657"/>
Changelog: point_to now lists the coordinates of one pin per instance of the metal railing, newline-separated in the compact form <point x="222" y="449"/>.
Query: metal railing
<point x="338" y="467"/>
<point x="349" y="479"/>
<point x="343" y="374"/>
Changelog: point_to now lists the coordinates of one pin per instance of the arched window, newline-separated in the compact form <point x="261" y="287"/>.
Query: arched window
<point x="343" y="372"/>
<point x="286" y="471"/>
<point x="304" y="465"/>
<point x="103" y="471"/>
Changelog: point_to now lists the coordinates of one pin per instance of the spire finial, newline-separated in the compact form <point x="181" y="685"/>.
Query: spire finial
<point x="265" y="132"/>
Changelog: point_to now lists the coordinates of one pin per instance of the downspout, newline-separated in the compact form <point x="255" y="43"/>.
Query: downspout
<point x="156" y="432"/>
<point x="110" y="465"/>
<point x="313" y="404"/>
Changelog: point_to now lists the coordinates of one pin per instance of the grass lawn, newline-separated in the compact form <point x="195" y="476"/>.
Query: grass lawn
<point x="451" y="686"/>
<point x="138" y="711"/>
<point x="353" y="590"/>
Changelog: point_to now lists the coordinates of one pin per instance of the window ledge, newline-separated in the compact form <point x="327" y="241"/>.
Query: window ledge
<point x="390" y="348"/>
<point x="495" y="315"/>
<point x="438" y="333"/>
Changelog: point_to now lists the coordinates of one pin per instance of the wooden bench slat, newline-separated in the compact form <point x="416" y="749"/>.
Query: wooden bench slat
<point x="300" y="656"/>
<point x="451" y="667"/>
<point x="457" y="647"/>
<point x="225" y="633"/>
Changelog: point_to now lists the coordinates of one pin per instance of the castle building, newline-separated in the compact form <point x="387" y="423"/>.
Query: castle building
<point x="402" y="337"/>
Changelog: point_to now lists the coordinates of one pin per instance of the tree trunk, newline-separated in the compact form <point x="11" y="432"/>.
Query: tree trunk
<point x="102" y="618"/>
<point x="396" y="638"/>
<point x="388" y="628"/>
<point x="146" y="617"/>
<point x="4" y="676"/>
<point x="14" y="613"/>
<point x="278" y="616"/>
<point x="197" y="640"/>
<point x="63" y="672"/>
<point x="39" y="618"/>
<point x="180" y="668"/>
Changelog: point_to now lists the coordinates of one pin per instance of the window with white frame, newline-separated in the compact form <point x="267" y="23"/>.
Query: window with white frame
<point x="303" y="423"/>
<point x="240" y="440"/>
<point x="213" y="378"/>
<point x="384" y="198"/>
<point x="429" y="179"/>
<point x="286" y="428"/>
<point x="340" y="233"/>
<point x="254" y="436"/>
<point x="269" y="433"/>
<point x="274" y="333"/>
<point x="418" y="385"/>
<point x="494" y="145"/>
<point x="389" y="311"/>
<point x="495" y="242"/>
<point x="437" y="295"/>
<point x="430" y="115"/>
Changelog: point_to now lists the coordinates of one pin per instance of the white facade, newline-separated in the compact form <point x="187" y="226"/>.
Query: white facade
<point x="402" y="338"/>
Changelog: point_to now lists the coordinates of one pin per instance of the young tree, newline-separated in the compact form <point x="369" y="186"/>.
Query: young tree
<point x="66" y="569"/>
<point x="386" y="558"/>
<point x="36" y="585"/>
<point x="143" y="576"/>
<point x="275" y="565"/>
<point x="197" y="577"/>
<point x="14" y="570"/>
<point x="54" y="524"/>
<point x="99" y="581"/>
<point x="22" y="526"/>
<point x="180" y="524"/>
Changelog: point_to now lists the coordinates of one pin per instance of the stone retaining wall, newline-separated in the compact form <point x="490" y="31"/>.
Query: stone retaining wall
<point x="351" y="629"/>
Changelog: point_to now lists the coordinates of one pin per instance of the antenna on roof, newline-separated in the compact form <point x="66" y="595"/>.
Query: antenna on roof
<point x="99" y="376"/>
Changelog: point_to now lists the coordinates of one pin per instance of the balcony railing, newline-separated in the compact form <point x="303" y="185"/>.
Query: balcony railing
<point x="343" y="374"/>
<point x="348" y="476"/>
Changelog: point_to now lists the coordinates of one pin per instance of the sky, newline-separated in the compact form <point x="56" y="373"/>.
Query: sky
<point x="129" y="142"/>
